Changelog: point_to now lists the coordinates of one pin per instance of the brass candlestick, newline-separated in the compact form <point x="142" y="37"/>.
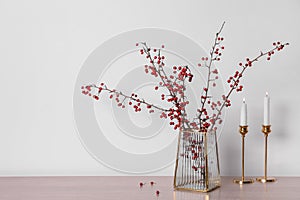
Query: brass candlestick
<point x="243" y="132"/>
<point x="266" y="129"/>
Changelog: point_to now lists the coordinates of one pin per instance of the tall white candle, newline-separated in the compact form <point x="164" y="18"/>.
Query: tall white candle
<point x="267" y="109"/>
<point x="243" y="121"/>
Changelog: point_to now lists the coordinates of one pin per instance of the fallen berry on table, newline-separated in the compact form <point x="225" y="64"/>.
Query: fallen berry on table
<point x="157" y="193"/>
<point x="142" y="184"/>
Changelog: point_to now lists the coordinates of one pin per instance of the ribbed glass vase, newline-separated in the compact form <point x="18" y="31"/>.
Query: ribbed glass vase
<point x="197" y="163"/>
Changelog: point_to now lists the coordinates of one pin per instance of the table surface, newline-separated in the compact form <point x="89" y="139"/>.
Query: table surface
<point x="127" y="187"/>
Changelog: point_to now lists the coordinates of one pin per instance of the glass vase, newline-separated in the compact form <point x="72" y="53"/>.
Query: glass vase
<point x="197" y="162"/>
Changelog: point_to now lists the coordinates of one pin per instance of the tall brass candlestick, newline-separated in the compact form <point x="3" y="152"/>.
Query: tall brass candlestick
<point x="243" y="132"/>
<point x="266" y="129"/>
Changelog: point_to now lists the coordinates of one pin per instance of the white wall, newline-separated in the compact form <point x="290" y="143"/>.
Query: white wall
<point x="43" y="45"/>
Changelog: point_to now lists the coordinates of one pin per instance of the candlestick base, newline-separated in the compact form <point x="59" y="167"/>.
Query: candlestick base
<point x="266" y="180"/>
<point x="243" y="181"/>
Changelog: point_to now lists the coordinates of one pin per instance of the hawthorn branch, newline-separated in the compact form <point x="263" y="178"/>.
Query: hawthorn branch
<point x="211" y="60"/>
<point x="125" y="96"/>
<point x="247" y="65"/>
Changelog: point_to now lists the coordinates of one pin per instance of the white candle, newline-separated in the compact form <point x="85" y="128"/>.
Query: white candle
<point x="243" y="121"/>
<point x="267" y="109"/>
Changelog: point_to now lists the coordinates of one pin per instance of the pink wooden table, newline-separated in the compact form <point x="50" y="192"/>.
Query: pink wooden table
<point x="125" y="187"/>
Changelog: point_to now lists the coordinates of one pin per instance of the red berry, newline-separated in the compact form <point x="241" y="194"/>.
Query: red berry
<point x="191" y="78"/>
<point x="152" y="183"/>
<point x="88" y="88"/>
<point x="157" y="193"/>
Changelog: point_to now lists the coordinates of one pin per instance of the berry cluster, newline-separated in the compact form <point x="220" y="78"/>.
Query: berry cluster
<point x="234" y="81"/>
<point x="174" y="82"/>
<point x="278" y="47"/>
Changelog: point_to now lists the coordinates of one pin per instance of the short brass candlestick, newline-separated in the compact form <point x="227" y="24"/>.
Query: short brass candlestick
<point x="243" y="132"/>
<point x="266" y="129"/>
